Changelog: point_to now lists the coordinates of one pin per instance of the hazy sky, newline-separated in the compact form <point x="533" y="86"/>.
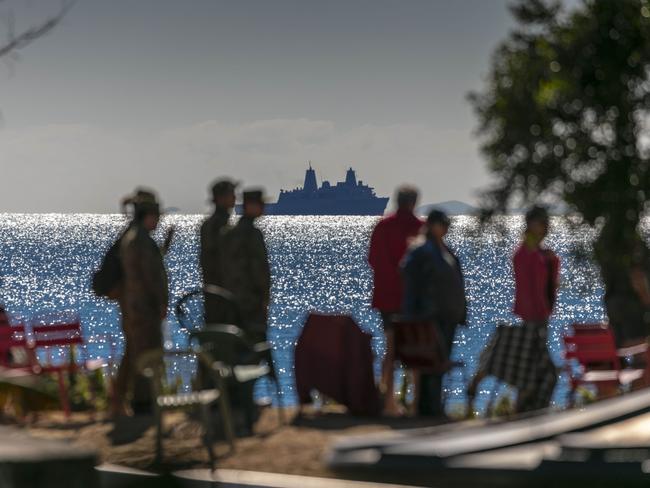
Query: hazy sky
<point x="172" y="94"/>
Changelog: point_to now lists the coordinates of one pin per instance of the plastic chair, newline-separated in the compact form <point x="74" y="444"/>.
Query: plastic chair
<point x="593" y="347"/>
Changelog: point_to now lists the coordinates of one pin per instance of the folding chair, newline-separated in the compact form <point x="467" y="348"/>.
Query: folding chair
<point x="186" y="308"/>
<point x="241" y="361"/>
<point x="593" y="347"/>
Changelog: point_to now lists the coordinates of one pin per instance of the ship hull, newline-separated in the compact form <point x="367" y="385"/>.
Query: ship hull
<point x="376" y="206"/>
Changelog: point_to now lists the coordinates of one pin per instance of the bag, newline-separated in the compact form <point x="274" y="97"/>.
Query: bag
<point x="108" y="277"/>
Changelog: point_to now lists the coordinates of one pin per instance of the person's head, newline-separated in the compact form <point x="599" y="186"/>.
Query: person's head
<point x="146" y="208"/>
<point x="437" y="224"/>
<point x="253" y="205"/>
<point x="223" y="193"/>
<point x="407" y="197"/>
<point x="537" y="221"/>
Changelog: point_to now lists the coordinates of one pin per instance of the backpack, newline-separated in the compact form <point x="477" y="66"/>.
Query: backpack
<point x="108" y="277"/>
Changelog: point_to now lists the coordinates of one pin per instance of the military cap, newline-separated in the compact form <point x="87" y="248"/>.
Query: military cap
<point x="143" y="201"/>
<point x="254" y="196"/>
<point x="222" y="187"/>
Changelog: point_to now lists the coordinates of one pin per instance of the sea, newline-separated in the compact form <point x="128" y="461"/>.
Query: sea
<point x="318" y="264"/>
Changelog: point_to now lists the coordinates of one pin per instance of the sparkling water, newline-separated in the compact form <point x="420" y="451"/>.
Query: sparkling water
<point x="318" y="264"/>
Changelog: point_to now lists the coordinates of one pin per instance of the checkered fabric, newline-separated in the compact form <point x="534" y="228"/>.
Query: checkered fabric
<point x="518" y="356"/>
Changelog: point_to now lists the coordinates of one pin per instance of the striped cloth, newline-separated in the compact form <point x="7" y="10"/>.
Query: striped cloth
<point x="518" y="356"/>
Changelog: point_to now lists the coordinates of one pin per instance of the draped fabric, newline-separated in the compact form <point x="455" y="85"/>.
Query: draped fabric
<point x="334" y="357"/>
<point x="518" y="355"/>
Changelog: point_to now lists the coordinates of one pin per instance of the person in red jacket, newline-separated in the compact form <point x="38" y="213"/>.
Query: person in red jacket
<point x="388" y="244"/>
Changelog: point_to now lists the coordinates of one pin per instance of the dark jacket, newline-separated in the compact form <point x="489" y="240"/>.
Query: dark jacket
<point x="210" y="234"/>
<point x="434" y="289"/>
<point x="246" y="272"/>
<point x="144" y="296"/>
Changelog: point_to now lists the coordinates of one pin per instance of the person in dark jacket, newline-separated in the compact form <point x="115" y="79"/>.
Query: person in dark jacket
<point x="245" y="267"/>
<point x="143" y="299"/>
<point x="388" y="243"/>
<point x="223" y="197"/>
<point x="434" y="290"/>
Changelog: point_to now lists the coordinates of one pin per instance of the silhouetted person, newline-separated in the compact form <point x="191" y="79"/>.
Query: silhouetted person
<point x="536" y="271"/>
<point x="245" y="267"/>
<point x="388" y="244"/>
<point x="143" y="298"/>
<point x="434" y="291"/>
<point x="223" y="197"/>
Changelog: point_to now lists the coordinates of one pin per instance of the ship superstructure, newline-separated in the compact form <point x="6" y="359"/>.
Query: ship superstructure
<point x="349" y="197"/>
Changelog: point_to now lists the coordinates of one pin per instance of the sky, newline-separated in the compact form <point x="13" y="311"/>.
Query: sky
<point x="174" y="94"/>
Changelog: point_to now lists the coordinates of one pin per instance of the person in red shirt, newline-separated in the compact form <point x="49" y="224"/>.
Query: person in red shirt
<point x="536" y="283"/>
<point x="536" y="271"/>
<point x="388" y="244"/>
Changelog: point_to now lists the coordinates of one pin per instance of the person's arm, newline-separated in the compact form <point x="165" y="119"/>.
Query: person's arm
<point x="259" y="265"/>
<point x="205" y="247"/>
<point x="377" y="247"/>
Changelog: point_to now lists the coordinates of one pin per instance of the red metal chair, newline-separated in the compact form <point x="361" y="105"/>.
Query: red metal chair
<point x="593" y="347"/>
<point x="47" y="338"/>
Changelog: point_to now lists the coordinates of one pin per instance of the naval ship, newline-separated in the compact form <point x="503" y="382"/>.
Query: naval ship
<point x="349" y="197"/>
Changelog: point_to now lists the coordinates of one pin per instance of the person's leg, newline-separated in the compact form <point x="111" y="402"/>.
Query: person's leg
<point x="437" y="397"/>
<point x="121" y="384"/>
<point x="391" y="406"/>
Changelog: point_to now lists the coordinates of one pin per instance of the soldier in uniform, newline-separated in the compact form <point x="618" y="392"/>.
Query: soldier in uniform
<point x="143" y="299"/>
<point x="245" y="267"/>
<point x="223" y="197"/>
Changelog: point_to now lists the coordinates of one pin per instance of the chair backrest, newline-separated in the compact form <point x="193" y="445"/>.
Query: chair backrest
<point x="57" y="335"/>
<point x="418" y="346"/>
<point x="223" y="342"/>
<point x="591" y="345"/>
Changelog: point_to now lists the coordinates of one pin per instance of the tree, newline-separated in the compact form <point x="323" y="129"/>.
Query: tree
<point x="565" y="116"/>
<point x="18" y="40"/>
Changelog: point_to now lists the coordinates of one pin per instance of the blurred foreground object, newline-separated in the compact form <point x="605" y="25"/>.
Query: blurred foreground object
<point x="564" y="119"/>
<point x="333" y="356"/>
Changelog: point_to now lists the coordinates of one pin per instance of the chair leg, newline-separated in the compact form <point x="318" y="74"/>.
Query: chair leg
<point x="226" y="415"/>
<point x="208" y="437"/>
<point x="493" y="397"/>
<point x="278" y="390"/>
<point x="159" y="434"/>
<point x="272" y="378"/>
<point x="63" y="395"/>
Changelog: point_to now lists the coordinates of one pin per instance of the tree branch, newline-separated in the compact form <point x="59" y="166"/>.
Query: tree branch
<point x="28" y="36"/>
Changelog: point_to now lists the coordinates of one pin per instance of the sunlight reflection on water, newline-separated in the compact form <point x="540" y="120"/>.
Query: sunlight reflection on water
<point x="318" y="263"/>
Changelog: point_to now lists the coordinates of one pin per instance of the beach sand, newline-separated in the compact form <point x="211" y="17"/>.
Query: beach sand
<point x="297" y="447"/>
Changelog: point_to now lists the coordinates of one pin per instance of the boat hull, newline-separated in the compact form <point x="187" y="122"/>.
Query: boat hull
<point x="376" y="206"/>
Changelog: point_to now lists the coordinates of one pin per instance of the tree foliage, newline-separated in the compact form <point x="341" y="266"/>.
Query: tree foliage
<point x="565" y="114"/>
